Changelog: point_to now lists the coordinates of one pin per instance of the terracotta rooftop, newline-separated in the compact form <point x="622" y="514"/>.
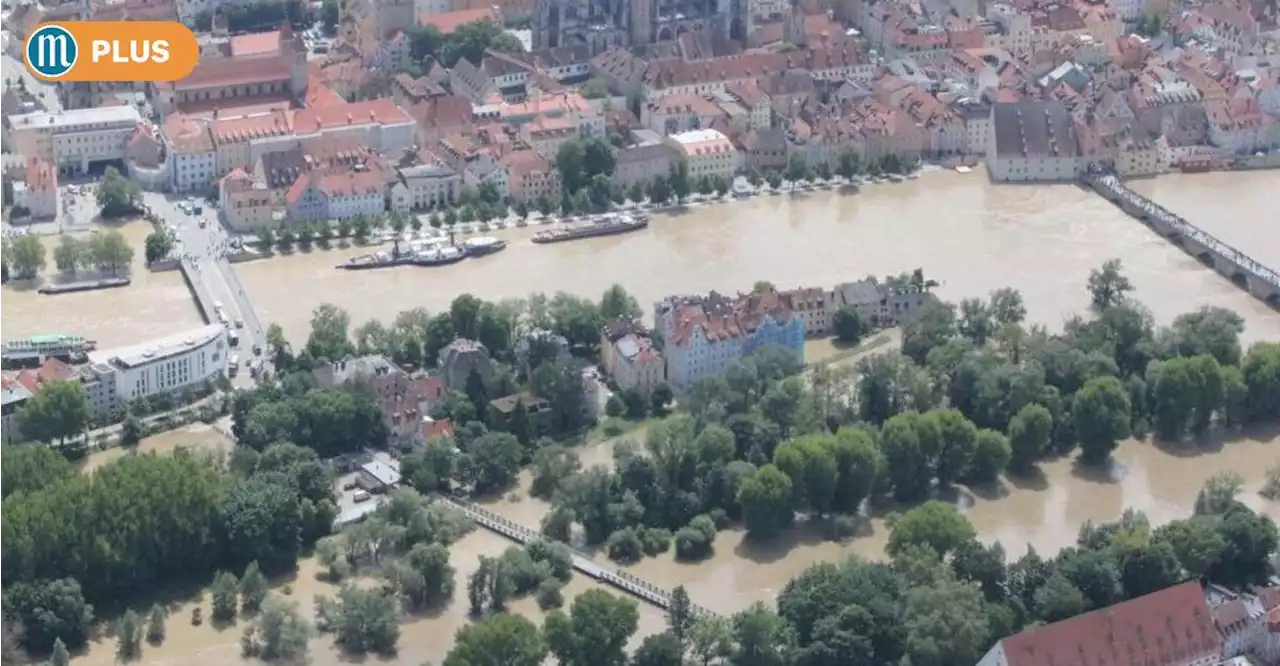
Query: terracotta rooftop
<point x="187" y="135"/>
<point x="720" y="317"/>
<point x="210" y="73"/>
<point x="255" y="43"/>
<point x="1149" y="630"/>
<point x="447" y="22"/>
<point x="375" y="111"/>
<point x="246" y="128"/>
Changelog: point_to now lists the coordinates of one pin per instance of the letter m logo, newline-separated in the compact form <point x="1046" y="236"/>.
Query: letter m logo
<point x="51" y="51"/>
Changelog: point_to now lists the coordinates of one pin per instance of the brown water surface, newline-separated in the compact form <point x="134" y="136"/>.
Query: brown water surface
<point x="154" y="305"/>
<point x="962" y="230"/>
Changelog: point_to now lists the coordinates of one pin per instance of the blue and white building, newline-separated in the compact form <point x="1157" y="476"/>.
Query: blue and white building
<point x="703" y="334"/>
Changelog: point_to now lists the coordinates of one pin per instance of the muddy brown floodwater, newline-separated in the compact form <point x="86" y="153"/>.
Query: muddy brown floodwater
<point x="154" y="305"/>
<point x="424" y="638"/>
<point x="964" y="231"/>
<point x="971" y="235"/>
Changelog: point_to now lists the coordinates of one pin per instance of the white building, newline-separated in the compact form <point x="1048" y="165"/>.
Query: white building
<point x="1033" y="142"/>
<point x="167" y="364"/>
<point x="708" y="153"/>
<point x="193" y="158"/>
<point x="73" y="139"/>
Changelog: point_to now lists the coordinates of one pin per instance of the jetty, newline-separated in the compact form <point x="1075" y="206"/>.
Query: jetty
<point x="621" y="580"/>
<point x="1244" y="271"/>
<point x="38" y="347"/>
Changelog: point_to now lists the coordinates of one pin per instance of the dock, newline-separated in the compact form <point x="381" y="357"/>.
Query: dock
<point x="1260" y="280"/>
<point x="620" y="580"/>
<point x="39" y="347"/>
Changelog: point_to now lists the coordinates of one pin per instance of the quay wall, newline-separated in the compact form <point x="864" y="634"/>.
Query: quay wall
<point x="1261" y="281"/>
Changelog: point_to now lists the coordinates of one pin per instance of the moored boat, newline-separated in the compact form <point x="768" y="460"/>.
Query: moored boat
<point x="440" y="256"/>
<point x="59" y="345"/>
<point x="602" y="225"/>
<point x="482" y="245"/>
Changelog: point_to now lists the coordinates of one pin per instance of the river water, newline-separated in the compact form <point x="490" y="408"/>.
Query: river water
<point x="972" y="236"/>
<point x="154" y="305"/>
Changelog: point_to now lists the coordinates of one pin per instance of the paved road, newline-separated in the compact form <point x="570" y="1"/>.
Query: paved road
<point x="204" y="254"/>
<point x="46" y="92"/>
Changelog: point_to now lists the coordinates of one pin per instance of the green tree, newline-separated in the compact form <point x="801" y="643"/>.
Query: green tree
<point x="279" y="632"/>
<point x="616" y="302"/>
<point x="156" y="619"/>
<point x="253" y="588"/>
<point x="128" y="636"/>
<point x="130" y="430"/>
<point x="69" y="255"/>
<point x="1101" y="416"/>
<point x="507" y="639"/>
<point x="938" y="525"/>
<point x="60" y="655"/>
<point x="766" y="499"/>
<point x="330" y="339"/>
<point x="110" y="251"/>
<point x="1261" y="368"/>
<point x="27" y="469"/>
<point x="51" y="611"/>
<point x="849" y="325"/>
<point x="363" y="620"/>
<point x="1058" y="599"/>
<point x="158" y="246"/>
<point x="1030" y="436"/>
<point x="679" y="181"/>
<point x="904" y="457"/>
<point x="594" y="632"/>
<point x="60" y="410"/>
<point x="224" y="592"/>
<point x="118" y="196"/>
<point x="266" y="239"/>
<point x="944" y="624"/>
<point x="1108" y="284"/>
<point x="25" y="255"/>
<point x="990" y="456"/>
<point x="659" y="650"/>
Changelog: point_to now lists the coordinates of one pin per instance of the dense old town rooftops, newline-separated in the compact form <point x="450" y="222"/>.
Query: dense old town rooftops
<point x="724" y="317"/>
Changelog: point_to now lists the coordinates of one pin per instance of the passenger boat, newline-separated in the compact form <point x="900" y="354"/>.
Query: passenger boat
<point x="58" y="345"/>
<point x="440" y="256"/>
<point x="601" y="225"/>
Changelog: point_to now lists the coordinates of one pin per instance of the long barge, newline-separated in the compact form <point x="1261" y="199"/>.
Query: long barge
<point x="601" y="225"/>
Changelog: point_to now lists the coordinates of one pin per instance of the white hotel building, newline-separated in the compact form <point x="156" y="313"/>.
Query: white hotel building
<point x="74" y="139"/>
<point x="166" y="365"/>
<point x="708" y="153"/>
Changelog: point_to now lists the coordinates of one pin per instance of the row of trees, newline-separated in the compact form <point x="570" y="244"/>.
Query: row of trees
<point x="105" y="251"/>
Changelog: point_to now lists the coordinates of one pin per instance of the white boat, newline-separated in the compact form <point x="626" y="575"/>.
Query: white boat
<point x="483" y="245"/>
<point x="963" y="169"/>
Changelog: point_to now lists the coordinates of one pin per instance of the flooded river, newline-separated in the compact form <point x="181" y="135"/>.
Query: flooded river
<point x="154" y="305"/>
<point x="971" y="235"/>
<point x="965" y="232"/>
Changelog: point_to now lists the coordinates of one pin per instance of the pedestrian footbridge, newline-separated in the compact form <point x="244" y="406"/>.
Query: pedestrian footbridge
<point x="641" y="589"/>
<point x="1246" y="272"/>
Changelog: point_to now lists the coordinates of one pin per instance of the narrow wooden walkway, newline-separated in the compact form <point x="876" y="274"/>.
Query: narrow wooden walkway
<point x="636" y="587"/>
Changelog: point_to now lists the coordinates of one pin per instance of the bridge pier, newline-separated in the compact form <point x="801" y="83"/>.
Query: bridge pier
<point x="1247" y="273"/>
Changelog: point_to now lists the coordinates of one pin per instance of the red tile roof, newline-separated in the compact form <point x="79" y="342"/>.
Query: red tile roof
<point x="54" y="370"/>
<point x="381" y="111"/>
<point x="244" y="128"/>
<point x="231" y="71"/>
<point x="440" y="428"/>
<point x="1147" y="631"/>
<point x="447" y="22"/>
<point x="255" y="43"/>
